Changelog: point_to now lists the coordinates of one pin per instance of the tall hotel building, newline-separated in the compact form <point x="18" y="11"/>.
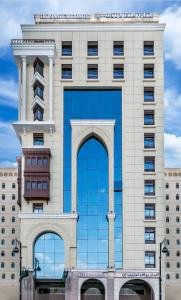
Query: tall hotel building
<point x="173" y="232"/>
<point x="9" y="231"/>
<point x="92" y="179"/>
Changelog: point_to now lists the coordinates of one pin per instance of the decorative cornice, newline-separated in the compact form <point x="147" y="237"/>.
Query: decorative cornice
<point x="47" y="216"/>
<point x="94" y="27"/>
<point x="92" y="122"/>
<point x="36" y="151"/>
<point x="22" y="127"/>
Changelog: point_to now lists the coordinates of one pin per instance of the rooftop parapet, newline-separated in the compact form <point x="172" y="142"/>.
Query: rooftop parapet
<point x="97" y="18"/>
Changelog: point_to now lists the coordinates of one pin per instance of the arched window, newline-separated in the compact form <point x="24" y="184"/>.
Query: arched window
<point x="167" y="276"/>
<point x="177" y="196"/>
<point x="178" y="253"/>
<point x="178" y="265"/>
<point x="136" y="289"/>
<point x="167" y="265"/>
<point x="92" y="205"/>
<point x="49" y="254"/>
<point x="167" y="208"/>
<point x="2" y="265"/>
<point x="167" y="219"/>
<point x="177" y="219"/>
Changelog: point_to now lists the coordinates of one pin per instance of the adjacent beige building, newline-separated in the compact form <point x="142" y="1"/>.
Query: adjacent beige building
<point x="173" y="230"/>
<point x="9" y="231"/>
<point x="92" y="180"/>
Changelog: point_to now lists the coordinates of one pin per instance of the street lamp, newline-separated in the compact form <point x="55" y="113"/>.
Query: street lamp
<point x="163" y="249"/>
<point x="17" y="249"/>
<point x="36" y="266"/>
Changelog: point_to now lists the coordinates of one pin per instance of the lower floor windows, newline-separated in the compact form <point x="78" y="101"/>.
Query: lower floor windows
<point x="150" y="259"/>
<point x="92" y="71"/>
<point x="38" y="139"/>
<point x="66" y="71"/>
<point x="38" y="208"/>
<point x="149" y="235"/>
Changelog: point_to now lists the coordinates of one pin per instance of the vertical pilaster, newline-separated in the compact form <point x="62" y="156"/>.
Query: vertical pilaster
<point x="50" y="88"/>
<point x="19" y="93"/>
<point x="24" y="88"/>
<point x="111" y="217"/>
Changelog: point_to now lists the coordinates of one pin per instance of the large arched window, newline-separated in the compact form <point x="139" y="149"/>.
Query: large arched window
<point x="92" y="205"/>
<point x="92" y="289"/>
<point x="136" y="289"/>
<point x="49" y="255"/>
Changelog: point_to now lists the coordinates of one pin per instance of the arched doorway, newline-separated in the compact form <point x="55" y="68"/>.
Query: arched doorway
<point x="92" y="289"/>
<point x="49" y="267"/>
<point x="136" y="290"/>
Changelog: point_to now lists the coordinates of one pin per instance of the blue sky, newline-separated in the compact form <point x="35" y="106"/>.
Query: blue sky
<point x="16" y="12"/>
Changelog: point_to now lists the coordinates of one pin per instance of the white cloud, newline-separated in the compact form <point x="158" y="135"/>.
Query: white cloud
<point x="8" y="92"/>
<point x="8" y="164"/>
<point x="172" y="17"/>
<point x="9" y="144"/>
<point x="14" y="13"/>
<point x="172" y="110"/>
<point x="172" y="151"/>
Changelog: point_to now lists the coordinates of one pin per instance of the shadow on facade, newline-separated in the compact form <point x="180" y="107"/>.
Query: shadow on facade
<point x="136" y="290"/>
<point x="92" y="289"/>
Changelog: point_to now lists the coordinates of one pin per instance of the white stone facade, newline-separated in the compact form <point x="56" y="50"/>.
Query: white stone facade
<point x="133" y="31"/>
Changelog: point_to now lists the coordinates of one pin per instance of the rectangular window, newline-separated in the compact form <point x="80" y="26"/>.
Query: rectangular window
<point x="149" y="164"/>
<point x="38" y="89"/>
<point x="149" y="235"/>
<point x="34" y="185"/>
<point x="38" y="113"/>
<point x="92" y="49"/>
<point x="118" y="71"/>
<point x="38" y="66"/>
<point x="149" y="188"/>
<point x="118" y="48"/>
<point x="148" y="48"/>
<point x="38" y="139"/>
<point x="66" y="48"/>
<point x="28" y="185"/>
<point x="149" y="94"/>
<point x="149" y="259"/>
<point x="92" y="71"/>
<point x="149" y="140"/>
<point x="149" y="117"/>
<point x="149" y="211"/>
<point x="148" y="71"/>
<point x="38" y="208"/>
<point x="45" y="185"/>
<point x="66" y="71"/>
<point x="39" y="185"/>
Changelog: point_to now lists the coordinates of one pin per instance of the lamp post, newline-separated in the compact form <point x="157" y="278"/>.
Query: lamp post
<point x="17" y="249"/>
<point x="37" y="266"/>
<point x="163" y="249"/>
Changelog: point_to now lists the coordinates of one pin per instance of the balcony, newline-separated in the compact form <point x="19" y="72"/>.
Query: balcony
<point x="37" y="173"/>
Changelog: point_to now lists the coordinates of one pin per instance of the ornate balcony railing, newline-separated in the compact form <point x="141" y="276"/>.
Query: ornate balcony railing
<point x="32" y="41"/>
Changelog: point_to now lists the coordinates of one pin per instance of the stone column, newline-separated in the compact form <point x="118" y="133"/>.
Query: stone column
<point x="111" y="217"/>
<point x="50" y="88"/>
<point x="24" y="88"/>
<point x="28" y="287"/>
<point x="19" y="93"/>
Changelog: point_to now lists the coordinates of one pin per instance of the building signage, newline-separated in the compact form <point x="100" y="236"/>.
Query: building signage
<point x="118" y="275"/>
<point x="97" y="15"/>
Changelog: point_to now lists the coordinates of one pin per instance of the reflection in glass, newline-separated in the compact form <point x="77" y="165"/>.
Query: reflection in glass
<point x="92" y="215"/>
<point x="94" y="104"/>
<point x="49" y="251"/>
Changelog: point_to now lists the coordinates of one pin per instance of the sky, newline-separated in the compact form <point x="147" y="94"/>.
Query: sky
<point x="16" y="12"/>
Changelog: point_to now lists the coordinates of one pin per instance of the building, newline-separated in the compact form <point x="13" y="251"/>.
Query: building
<point x="91" y="128"/>
<point x="173" y="229"/>
<point x="9" y="231"/>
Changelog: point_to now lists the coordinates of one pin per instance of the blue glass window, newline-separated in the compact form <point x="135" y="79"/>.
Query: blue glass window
<point x="92" y="71"/>
<point x="149" y="117"/>
<point x="149" y="235"/>
<point x="38" y="66"/>
<point x="94" y="104"/>
<point x="38" y="139"/>
<point x="38" y="113"/>
<point x="148" y="71"/>
<point x="150" y="211"/>
<point x="49" y="252"/>
<point x="150" y="259"/>
<point x="92" y="185"/>
<point x="149" y="164"/>
<point x="148" y="48"/>
<point x="38" y="89"/>
<point x="118" y="71"/>
<point x="66" y="48"/>
<point x="148" y="94"/>
<point x="149" y="140"/>
<point x="118" y="48"/>
<point x="66" y="71"/>
<point x="92" y="49"/>
<point x="149" y="187"/>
